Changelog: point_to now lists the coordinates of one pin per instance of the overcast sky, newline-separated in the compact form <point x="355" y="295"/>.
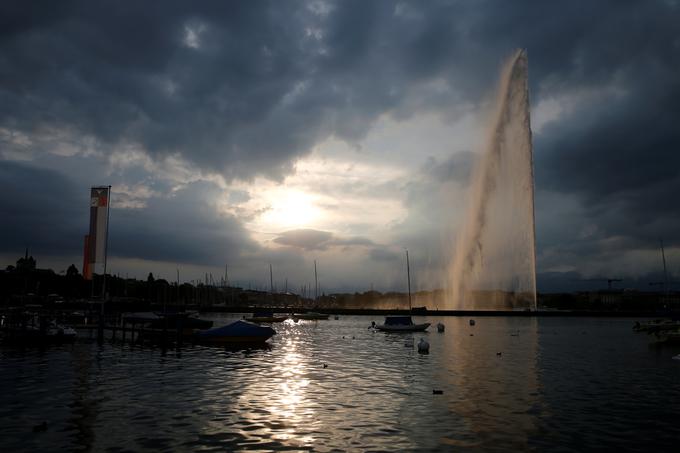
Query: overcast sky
<point x="256" y="132"/>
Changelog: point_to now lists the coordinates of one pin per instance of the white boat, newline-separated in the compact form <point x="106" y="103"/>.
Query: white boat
<point x="657" y="325"/>
<point x="65" y="333"/>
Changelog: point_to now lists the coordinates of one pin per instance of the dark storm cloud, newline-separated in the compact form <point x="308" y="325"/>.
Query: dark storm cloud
<point x="45" y="211"/>
<point x="620" y="157"/>
<point x="198" y="234"/>
<point x="40" y="210"/>
<point x="305" y="239"/>
<point x="244" y="88"/>
<point x="309" y="239"/>
<point x="241" y="87"/>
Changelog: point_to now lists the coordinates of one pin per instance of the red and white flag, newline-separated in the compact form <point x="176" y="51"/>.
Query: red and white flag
<point x="95" y="247"/>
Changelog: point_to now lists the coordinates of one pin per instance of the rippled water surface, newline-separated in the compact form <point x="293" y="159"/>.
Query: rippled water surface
<point x="568" y="384"/>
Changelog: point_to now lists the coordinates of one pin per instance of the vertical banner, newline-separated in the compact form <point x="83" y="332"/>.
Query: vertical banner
<point x="96" y="245"/>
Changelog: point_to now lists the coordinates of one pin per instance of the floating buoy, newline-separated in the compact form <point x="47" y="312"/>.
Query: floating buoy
<point x="423" y="346"/>
<point x="440" y="327"/>
<point x="472" y="322"/>
<point x="437" y="392"/>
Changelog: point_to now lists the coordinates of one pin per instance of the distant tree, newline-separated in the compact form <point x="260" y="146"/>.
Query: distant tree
<point x="10" y="268"/>
<point x="26" y="264"/>
<point x="72" y="271"/>
<point x="150" y="278"/>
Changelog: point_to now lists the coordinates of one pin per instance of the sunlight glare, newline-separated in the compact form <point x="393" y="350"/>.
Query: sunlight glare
<point x="290" y="209"/>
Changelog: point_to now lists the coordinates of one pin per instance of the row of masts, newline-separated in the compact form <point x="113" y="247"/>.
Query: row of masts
<point x="224" y="282"/>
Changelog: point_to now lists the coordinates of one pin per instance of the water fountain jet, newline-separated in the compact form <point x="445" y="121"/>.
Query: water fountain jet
<point x="494" y="262"/>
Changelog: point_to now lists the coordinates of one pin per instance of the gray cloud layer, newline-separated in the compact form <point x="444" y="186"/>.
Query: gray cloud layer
<point x="244" y="88"/>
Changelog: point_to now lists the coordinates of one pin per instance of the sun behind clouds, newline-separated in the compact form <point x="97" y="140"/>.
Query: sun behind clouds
<point x="290" y="208"/>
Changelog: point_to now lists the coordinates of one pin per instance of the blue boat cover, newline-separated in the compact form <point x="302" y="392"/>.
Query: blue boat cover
<point x="239" y="329"/>
<point x="398" y="321"/>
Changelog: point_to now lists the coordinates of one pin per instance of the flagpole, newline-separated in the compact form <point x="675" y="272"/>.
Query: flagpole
<point x="106" y="243"/>
<point x="100" y="333"/>
<point x="408" y="276"/>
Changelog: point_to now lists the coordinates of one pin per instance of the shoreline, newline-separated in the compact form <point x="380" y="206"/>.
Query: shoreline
<point x="456" y="313"/>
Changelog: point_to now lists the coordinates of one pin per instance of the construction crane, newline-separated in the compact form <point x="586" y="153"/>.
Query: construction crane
<point x="665" y="283"/>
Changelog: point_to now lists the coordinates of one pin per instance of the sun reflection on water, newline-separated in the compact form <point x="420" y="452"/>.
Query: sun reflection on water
<point x="278" y="404"/>
<point x="289" y="403"/>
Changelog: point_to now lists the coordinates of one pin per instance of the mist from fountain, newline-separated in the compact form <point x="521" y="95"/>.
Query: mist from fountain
<point x="494" y="261"/>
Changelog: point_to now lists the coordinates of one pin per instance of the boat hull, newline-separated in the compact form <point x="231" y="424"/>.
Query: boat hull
<point x="403" y="328"/>
<point x="233" y="340"/>
<point x="239" y="332"/>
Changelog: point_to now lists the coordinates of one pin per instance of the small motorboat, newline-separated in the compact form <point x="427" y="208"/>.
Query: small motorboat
<point x="657" y="325"/>
<point x="401" y="324"/>
<point x="237" y="332"/>
<point x="52" y="334"/>
<point x="668" y="336"/>
<point x="310" y="316"/>
<point x="60" y="333"/>
<point x="266" y="316"/>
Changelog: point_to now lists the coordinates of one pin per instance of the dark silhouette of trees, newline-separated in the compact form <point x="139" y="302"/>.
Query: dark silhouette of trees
<point x="26" y="264"/>
<point x="72" y="271"/>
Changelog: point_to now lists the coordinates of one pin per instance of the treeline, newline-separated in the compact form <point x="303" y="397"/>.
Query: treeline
<point x="24" y="283"/>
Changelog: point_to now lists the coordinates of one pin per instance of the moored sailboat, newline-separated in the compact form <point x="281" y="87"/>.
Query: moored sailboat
<point x="403" y="323"/>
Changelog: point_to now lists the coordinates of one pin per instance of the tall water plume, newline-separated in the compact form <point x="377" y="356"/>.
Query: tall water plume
<point x="494" y="263"/>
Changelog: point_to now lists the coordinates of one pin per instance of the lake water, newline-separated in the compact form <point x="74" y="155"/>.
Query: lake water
<point x="559" y="384"/>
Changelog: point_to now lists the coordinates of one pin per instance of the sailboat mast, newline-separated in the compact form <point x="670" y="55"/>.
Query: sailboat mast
<point x="271" y="280"/>
<point x="316" y="283"/>
<point x="408" y="275"/>
<point x="665" y="272"/>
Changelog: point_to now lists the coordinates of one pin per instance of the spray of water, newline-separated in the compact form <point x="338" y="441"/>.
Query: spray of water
<point x="494" y="264"/>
